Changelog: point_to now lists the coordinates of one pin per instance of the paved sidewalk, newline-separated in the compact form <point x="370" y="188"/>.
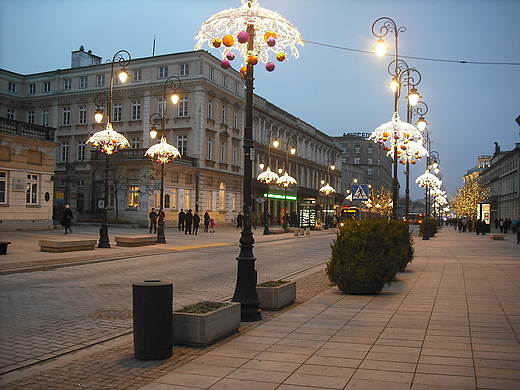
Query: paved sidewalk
<point x="451" y="322"/>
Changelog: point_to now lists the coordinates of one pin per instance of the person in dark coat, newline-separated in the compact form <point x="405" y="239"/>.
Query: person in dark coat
<point x="182" y="217"/>
<point x="188" y="220"/>
<point x="67" y="219"/>
<point x="240" y="220"/>
<point x="153" y="220"/>
<point x="196" y="223"/>
<point x="206" y="221"/>
<point x="478" y="226"/>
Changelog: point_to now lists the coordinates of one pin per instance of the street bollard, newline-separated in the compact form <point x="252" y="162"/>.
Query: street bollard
<point x="153" y="319"/>
<point x="302" y="231"/>
<point x="296" y="232"/>
<point x="308" y="231"/>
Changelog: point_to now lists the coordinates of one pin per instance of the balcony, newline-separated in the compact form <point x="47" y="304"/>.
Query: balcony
<point x="138" y="155"/>
<point x="27" y="129"/>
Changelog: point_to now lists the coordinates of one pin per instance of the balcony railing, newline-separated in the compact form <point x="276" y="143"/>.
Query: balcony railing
<point x="24" y="129"/>
<point x="138" y="154"/>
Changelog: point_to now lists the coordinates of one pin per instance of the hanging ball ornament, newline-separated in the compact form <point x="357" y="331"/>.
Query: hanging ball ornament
<point x="243" y="71"/>
<point x="413" y="162"/>
<point x="243" y="37"/>
<point x="252" y="60"/>
<point x="270" y="41"/>
<point x="280" y="57"/>
<point x="228" y="41"/>
<point x="225" y="64"/>
<point x="269" y="34"/>
<point x="230" y="56"/>
<point x="216" y="42"/>
<point x="269" y="66"/>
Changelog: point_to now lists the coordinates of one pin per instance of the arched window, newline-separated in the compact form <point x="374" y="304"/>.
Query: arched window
<point x="222" y="196"/>
<point x="167" y="201"/>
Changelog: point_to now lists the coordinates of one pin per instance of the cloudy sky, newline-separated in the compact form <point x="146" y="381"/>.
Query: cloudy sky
<point x="337" y="84"/>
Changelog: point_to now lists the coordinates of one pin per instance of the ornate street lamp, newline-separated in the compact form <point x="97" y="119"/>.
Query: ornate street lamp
<point x="268" y="176"/>
<point x="287" y="181"/>
<point x="327" y="189"/>
<point x="163" y="152"/>
<point x="429" y="181"/>
<point x="255" y="33"/>
<point x="109" y="141"/>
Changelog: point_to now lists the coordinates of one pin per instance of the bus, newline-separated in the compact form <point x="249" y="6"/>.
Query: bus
<point x="415" y="218"/>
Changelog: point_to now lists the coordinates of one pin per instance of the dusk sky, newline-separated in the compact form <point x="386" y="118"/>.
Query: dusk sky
<point x="337" y="85"/>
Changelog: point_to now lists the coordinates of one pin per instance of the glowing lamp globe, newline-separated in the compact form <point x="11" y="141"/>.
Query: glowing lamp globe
<point x="243" y="37"/>
<point x="225" y="64"/>
<point x="269" y="66"/>
<point x="216" y="42"/>
<point x="228" y="40"/>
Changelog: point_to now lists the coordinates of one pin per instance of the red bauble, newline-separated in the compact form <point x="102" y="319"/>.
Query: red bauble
<point x="269" y="66"/>
<point x="243" y="37"/>
<point x="225" y="64"/>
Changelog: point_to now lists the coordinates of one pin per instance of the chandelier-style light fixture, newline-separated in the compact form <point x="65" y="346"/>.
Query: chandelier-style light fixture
<point x="428" y="180"/>
<point x="162" y="152"/>
<point x="395" y="132"/>
<point x="109" y="141"/>
<point x="286" y="181"/>
<point x="268" y="176"/>
<point x="327" y="189"/>
<point x="273" y="35"/>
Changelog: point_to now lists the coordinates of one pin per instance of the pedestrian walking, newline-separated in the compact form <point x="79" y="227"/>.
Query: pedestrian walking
<point x="240" y="220"/>
<point x="188" y="220"/>
<point x="501" y="225"/>
<point x="67" y="219"/>
<point x="206" y="221"/>
<point x="212" y="225"/>
<point x="153" y="220"/>
<point x="196" y="223"/>
<point x="182" y="217"/>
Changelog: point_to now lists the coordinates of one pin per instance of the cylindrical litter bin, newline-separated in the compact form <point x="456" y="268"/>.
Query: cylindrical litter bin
<point x="153" y="319"/>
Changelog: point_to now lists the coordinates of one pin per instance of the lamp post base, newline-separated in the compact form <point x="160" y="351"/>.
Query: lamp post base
<point x="104" y="241"/>
<point x="161" y="239"/>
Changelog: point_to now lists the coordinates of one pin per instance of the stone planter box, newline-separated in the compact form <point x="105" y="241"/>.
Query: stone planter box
<point x="276" y="298"/>
<point x="201" y="330"/>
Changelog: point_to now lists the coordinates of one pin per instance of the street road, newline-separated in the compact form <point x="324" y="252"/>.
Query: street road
<point x="50" y="313"/>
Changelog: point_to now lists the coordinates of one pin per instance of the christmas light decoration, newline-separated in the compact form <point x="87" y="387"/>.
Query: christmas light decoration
<point x="427" y="180"/>
<point x="162" y="152"/>
<point x="286" y="181"/>
<point x="327" y="189"/>
<point x="108" y="141"/>
<point x="268" y="176"/>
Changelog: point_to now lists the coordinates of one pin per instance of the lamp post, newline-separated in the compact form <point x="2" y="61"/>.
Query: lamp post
<point x="327" y="189"/>
<point x="287" y="181"/>
<point x="109" y="141"/>
<point x="163" y="152"/>
<point x="268" y="176"/>
<point x="258" y="32"/>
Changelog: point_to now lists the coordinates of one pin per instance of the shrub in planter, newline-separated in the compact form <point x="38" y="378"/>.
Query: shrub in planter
<point x="367" y="254"/>
<point x="432" y="227"/>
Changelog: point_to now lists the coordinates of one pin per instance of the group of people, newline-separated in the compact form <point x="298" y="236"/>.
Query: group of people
<point x="505" y="224"/>
<point x="189" y="221"/>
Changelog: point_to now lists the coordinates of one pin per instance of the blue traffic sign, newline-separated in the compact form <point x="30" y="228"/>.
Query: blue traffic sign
<point x="360" y="192"/>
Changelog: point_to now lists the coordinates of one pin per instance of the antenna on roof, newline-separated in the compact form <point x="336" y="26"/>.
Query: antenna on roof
<point x="153" y="50"/>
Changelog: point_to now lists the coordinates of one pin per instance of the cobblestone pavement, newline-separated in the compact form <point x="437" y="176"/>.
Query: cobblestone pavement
<point x="62" y="309"/>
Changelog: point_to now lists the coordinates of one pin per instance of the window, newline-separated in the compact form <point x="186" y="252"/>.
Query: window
<point x="62" y="183"/>
<point x="209" y="156"/>
<point x="45" y="117"/>
<point x="344" y="150"/>
<point x="30" y="116"/>
<point x="81" y="151"/>
<point x="64" y="152"/>
<point x="370" y="150"/>
<point x="183" y="106"/>
<point x="137" y="75"/>
<point x="83" y="83"/>
<point x="100" y="80"/>
<point x="370" y="171"/>
<point x="32" y="89"/>
<point x="80" y="183"/>
<point x="3" y="187"/>
<point x="210" y="109"/>
<point x="65" y="118"/>
<point x="378" y="161"/>
<point x="46" y="86"/>
<point x="357" y="150"/>
<point x="67" y="84"/>
<point x="118" y="112"/>
<point x="379" y="172"/>
<point x="111" y="196"/>
<point x="343" y="160"/>
<point x="184" y="69"/>
<point x="235" y="119"/>
<point x="11" y="114"/>
<point x="173" y="198"/>
<point x="235" y="155"/>
<point x="209" y="200"/>
<point x="136" y="110"/>
<point x="182" y="144"/>
<point x="12" y="87"/>
<point x="133" y="197"/>
<point x="222" y="152"/>
<point x="135" y="143"/>
<point x="369" y="161"/>
<point x="357" y="160"/>
<point x="32" y="189"/>
<point x="224" y="80"/>
<point x="163" y="72"/>
<point x="82" y="115"/>
<point x="212" y="74"/>
<point x="237" y="87"/>
<point x="222" y="196"/>
<point x="223" y="118"/>
<point x="187" y="199"/>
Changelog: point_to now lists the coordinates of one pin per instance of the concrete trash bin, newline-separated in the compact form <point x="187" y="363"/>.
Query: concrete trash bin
<point x="152" y="302"/>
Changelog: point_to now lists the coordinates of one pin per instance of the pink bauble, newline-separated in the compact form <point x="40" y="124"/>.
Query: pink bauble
<point x="243" y="37"/>
<point x="225" y="64"/>
<point x="230" y="56"/>
<point x="269" y="66"/>
<point x="271" y="41"/>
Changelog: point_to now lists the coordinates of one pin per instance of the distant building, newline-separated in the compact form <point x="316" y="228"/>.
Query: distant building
<point x="26" y="176"/>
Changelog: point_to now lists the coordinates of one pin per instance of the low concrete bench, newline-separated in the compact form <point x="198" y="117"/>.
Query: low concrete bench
<point x="496" y="236"/>
<point x="136" y="240"/>
<point x="66" y="245"/>
<point x="276" y="231"/>
<point x="3" y="247"/>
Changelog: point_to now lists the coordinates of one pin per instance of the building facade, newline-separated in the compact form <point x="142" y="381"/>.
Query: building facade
<point x="206" y="126"/>
<point x="26" y="176"/>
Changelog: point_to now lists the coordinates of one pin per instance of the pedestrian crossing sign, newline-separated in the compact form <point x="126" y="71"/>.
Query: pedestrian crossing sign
<point x="360" y="192"/>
